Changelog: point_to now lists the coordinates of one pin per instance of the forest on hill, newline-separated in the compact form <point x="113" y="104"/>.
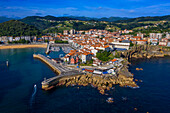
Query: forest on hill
<point x="36" y="25"/>
<point x="17" y="28"/>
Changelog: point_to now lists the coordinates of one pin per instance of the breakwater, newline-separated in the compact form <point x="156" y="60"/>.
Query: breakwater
<point x="62" y="71"/>
<point x="47" y="61"/>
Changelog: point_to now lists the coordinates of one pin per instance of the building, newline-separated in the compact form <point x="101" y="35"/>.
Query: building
<point x="17" y="38"/>
<point x="94" y="51"/>
<point x="10" y="38"/>
<point x="156" y="35"/>
<point x="86" y="57"/>
<point x="66" y="59"/>
<point x="162" y="43"/>
<point x="136" y="38"/>
<point x="74" y="60"/>
<point x="140" y="35"/>
<point x="168" y="35"/>
<point x="4" y="39"/>
<point x="72" y="31"/>
<point x="46" y="38"/>
<point x="168" y="44"/>
<point x="153" y="41"/>
<point x="65" y="32"/>
<point x="141" y="42"/>
<point x="121" y="45"/>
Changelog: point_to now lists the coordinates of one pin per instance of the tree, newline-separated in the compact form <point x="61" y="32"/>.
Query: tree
<point x="131" y="44"/>
<point x="46" y="40"/>
<point x="60" y="41"/>
<point x="17" y="28"/>
<point x="103" y="55"/>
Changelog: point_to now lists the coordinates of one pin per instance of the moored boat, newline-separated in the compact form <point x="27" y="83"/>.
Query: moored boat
<point x="7" y="63"/>
<point x="110" y="100"/>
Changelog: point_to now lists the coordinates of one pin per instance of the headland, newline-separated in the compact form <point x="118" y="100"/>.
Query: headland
<point x="71" y="77"/>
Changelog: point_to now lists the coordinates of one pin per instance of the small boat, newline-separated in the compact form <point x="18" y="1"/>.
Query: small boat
<point x="124" y="98"/>
<point x="7" y="63"/>
<point x="139" y="69"/>
<point x="135" y="109"/>
<point x="136" y="80"/>
<point x="110" y="100"/>
<point x="35" y="86"/>
<point x="140" y="81"/>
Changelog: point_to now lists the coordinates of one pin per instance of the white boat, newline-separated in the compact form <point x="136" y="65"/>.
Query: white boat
<point x="35" y="86"/>
<point x="48" y="56"/>
<point x="109" y="100"/>
<point x="124" y="98"/>
<point x="7" y="63"/>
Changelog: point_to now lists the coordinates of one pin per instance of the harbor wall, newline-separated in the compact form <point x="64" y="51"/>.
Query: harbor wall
<point x="49" y="64"/>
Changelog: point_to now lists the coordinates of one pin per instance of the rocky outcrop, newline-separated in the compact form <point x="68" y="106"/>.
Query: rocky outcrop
<point x="145" y="51"/>
<point x="102" y="83"/>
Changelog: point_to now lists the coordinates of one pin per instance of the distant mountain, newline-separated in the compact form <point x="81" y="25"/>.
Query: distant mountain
<point x="17" y="28"/>
<point x="4" y="19"/>
<point x="83" y="18"/>
<point x="44" y="22"/>
<point x="51" y="21"/>
<point x="110" y="19"/>
<point x="148" y="18"/>
<point x="53" y="24"/>
<point x="49" y="17"/>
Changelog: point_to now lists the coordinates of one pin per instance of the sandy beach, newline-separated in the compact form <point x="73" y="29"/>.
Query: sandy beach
<point x="23" y="46"/>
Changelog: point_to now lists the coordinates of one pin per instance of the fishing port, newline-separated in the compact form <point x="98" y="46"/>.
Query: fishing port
<point x="62" y="72"/>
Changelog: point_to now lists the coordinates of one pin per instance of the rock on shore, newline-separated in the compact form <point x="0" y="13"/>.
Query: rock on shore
<point x="145" y="51"/>
<point x="102" y="83"/>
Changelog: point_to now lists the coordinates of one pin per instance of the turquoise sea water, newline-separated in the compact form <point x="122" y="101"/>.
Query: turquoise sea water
<point x="18" y="95"/>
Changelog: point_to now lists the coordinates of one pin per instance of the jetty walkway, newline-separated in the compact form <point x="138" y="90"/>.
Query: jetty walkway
<point x="63" y="71"/>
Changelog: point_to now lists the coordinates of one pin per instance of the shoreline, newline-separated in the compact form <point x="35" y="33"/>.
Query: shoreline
<point x="104" y="83"/>
<point x="101" y="83"/>
<point x="23" y="46"/>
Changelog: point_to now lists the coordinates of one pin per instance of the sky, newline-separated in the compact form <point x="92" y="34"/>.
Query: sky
<point x="88" y="8"/>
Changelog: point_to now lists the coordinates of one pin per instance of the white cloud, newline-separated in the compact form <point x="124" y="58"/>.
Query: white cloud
<point x="131" y="11"/>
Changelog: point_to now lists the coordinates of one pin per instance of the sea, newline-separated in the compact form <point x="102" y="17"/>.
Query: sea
<point x="18" y="94"/>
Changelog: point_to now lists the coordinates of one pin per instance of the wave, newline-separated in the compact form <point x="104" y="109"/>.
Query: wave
<point x="33" y="95"/>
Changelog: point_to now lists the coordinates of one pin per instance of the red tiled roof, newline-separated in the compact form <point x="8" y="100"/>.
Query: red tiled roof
<point x="114" y="60"/>
<point x="88" y="70"/>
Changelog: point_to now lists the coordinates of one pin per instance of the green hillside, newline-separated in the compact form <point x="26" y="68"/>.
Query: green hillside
<point x="51" y="24"/>
<point x="17" y="28"/>
<point x="109" y="19"/>
<point x="143" y="19"/>
<point x="44" y="22"/>
<point x="4" y="19"/>
<point x="35" y="25"/>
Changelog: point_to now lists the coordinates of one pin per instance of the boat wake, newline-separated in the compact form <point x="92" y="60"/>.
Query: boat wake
<point x="33" y="95"/>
